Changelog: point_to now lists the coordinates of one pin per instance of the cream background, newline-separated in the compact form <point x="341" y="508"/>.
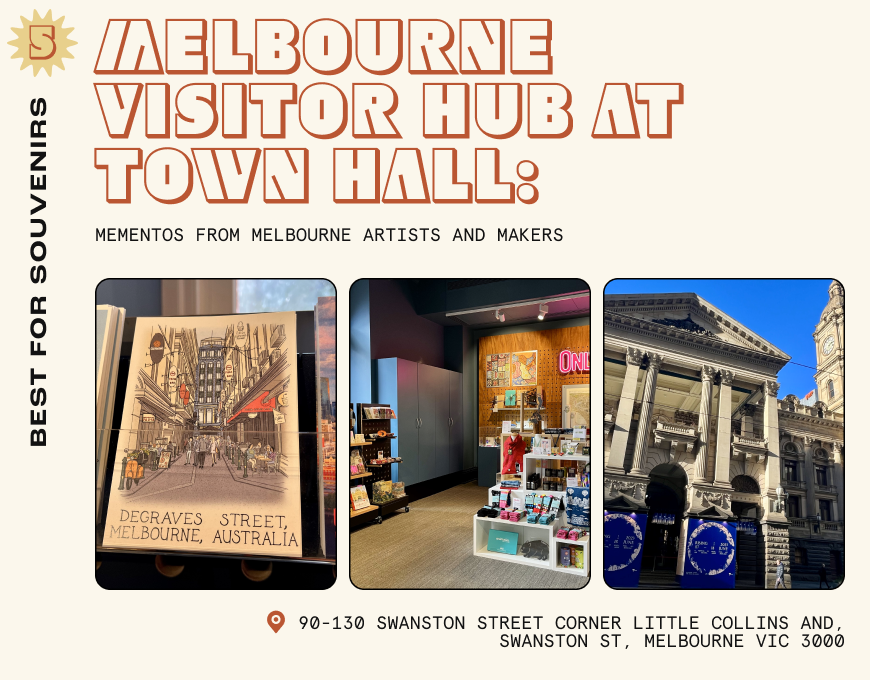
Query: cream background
<point x="765" y="176"/>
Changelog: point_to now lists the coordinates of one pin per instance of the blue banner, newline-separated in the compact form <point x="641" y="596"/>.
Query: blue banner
<point x="623" y="548"/>
<point x="711" y="555"/>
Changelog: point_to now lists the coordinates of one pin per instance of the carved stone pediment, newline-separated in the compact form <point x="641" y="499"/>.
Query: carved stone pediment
<point x="707" y="499"/>
<point x="746" y="447"/>
<point x="687" y="324"/>
<point x="676" y="435"/>
<point x="791" y="402"/>
<point x="616" y="486"/>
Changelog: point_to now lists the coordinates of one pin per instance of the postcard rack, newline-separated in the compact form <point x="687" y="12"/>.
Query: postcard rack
<point x="370" y="513"/>
<point x="377" y="448"/>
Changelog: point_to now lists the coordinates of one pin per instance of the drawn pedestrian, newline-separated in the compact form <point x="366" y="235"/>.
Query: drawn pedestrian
<point x="200" y="451"/>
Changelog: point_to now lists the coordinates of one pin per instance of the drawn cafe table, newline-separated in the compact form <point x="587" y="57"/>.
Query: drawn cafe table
<point x="263" y="462"/>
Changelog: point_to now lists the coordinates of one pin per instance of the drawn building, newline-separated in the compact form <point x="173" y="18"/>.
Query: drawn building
<point x="209" y="382"/>
<point x="259" y="368"/>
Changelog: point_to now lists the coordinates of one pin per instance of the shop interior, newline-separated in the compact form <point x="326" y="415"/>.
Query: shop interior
<point x="470" y="433"/>
<point x="315" y="359"/>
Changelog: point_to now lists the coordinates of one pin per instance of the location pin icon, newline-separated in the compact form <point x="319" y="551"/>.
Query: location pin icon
<point x="275" y="620"/>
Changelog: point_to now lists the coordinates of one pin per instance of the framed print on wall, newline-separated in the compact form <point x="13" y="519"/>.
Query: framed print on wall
<point x="524" y="368"/>
<point x="575" y="406"/>
<point x="497" y="370"/>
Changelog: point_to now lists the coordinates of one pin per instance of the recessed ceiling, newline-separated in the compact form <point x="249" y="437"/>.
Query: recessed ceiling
<point x="520" y="313"/>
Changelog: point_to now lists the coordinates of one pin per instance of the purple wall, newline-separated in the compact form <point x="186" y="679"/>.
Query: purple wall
<point x="397" y="331"/>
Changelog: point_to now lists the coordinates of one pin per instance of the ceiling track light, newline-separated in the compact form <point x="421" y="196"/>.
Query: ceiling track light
<point x="542" y="311"/>
<point x="499" y="316"/>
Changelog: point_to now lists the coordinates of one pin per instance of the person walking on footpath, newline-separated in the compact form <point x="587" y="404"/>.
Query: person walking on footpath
<point x="780" y="572"/>
<point x="823" y="577"/>
<point x="213" y="450"/>
<point x="188" y="449"/>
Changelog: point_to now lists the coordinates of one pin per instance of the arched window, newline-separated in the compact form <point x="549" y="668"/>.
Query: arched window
<point x="745" y="484"/>
<point x="830" y="389"/>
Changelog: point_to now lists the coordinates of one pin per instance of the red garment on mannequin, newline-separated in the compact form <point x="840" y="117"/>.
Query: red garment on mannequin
<point x="514" y="450"/>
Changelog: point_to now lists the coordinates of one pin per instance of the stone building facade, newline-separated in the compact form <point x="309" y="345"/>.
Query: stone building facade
<point x="695" y="428"/>
<point x="830" y="337"/>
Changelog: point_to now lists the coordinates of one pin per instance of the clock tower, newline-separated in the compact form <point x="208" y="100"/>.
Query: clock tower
<point x="830" y="338"/>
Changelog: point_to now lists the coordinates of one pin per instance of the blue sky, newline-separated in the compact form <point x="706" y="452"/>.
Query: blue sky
<point x="280" y="295"/>
<point x="783" y="311"/>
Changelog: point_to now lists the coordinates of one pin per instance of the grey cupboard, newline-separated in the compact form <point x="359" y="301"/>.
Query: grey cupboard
<point x="428" y="405"/>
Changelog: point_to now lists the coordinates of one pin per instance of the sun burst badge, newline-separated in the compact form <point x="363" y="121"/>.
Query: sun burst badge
<point x="42" y="43"/>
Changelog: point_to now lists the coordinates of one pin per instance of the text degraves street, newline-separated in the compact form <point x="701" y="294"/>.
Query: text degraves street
<point x="236" y="528"/>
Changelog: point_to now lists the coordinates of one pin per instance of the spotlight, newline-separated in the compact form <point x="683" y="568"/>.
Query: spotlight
<point x="542" y="312"/>
<point x="499" y="316"/>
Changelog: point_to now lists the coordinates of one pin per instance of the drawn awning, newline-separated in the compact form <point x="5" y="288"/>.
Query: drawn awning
<point x="261" y="404"/>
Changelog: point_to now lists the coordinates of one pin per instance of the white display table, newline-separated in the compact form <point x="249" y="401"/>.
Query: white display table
<point x="531" y="532"/>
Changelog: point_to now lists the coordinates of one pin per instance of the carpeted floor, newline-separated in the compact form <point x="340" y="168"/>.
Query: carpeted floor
<point x="431" y="547"/>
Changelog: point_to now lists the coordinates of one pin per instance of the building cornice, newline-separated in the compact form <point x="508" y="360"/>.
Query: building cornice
<point x="796" y="420"/>
<point x="723" y="323"/>
<point x="690" y="340"/>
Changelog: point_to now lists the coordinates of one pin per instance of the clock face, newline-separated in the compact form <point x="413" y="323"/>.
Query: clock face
<point x="828" y="347"/>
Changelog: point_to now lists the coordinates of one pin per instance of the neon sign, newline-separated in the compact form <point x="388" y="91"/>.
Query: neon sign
<point x="573" y="361"/>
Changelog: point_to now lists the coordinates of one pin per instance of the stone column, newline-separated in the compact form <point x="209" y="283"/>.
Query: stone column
<point x="773" y="474"/>
<point x="646" y="407"/>
<point x="775" y="525"/>
<point x="625" y="410"/>
<point x="838" y="475"/>
<point x="707" y="373"/>
<point x="776" y="547"/>
<point x="809" y="472"/>
<point x="723" y="431"/>
<point x="746" y="422"/>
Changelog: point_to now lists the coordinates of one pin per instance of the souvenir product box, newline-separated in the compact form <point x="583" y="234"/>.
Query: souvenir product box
<point x="577" y="501"/>
<point x="357" y="465"/>
<point x="382" y="492"/>
<point x="359" y="499"/>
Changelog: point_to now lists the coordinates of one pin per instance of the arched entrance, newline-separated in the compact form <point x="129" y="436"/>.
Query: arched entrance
<point x="750" y="544"/>
<point x="666" y="503"/>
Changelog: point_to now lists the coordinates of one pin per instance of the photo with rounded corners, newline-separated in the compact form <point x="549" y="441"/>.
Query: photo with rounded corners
<point x="469" y="434"/>
<point x="724" y="441"/>
<point x="215" y="436"/>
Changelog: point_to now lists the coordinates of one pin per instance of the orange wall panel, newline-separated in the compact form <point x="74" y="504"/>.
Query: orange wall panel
<point x="549" y="344"/>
